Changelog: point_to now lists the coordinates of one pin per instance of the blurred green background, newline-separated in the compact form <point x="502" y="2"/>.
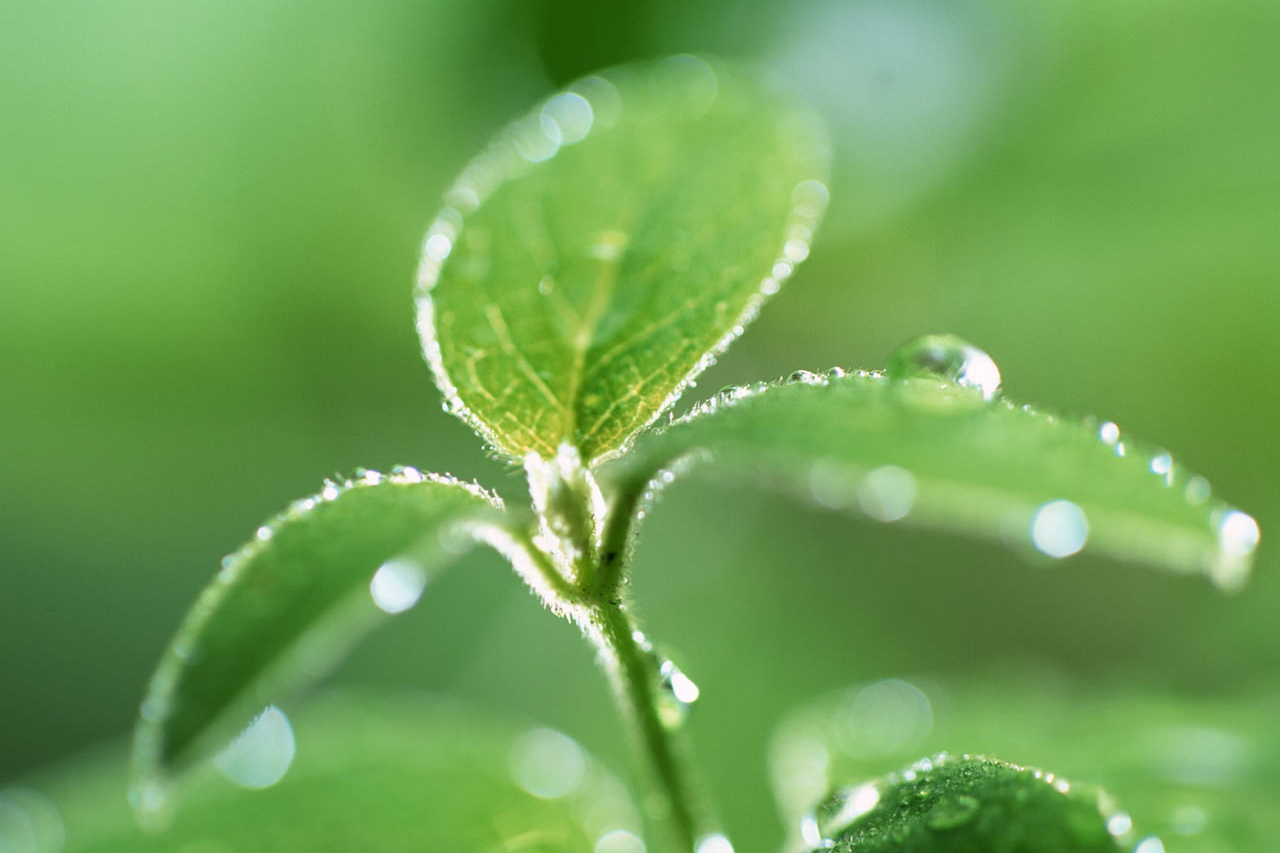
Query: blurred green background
<point x="209" y="222"/>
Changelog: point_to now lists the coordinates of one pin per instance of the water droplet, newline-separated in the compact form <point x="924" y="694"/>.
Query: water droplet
<point x="330" y="490"/>
<point x="1059" y="529"/>
<point x="1162" y="464"/>
<point x="844" y="807"/>
<point x="397" y="585"/>
<point x="795" y="250"/>
<point x="678" y="684"/>
<point x="715" y="843"/>
<point x="571" y="114"/>
<point x="438" y="247"/>
<point x="1238" y="536"/>
<point x="946" y="357"/>
<point x="548" y="764"/>
<point x="805" y="377"/>
<point x="1109" y="432"/>
<point x="261" y="755"/>
<point x="1198" y="491"/>
<point x="264" y="533"/>
<point x="810" y="198"/>
<point x="888" y="493"/>
<point x="603" y="98"/>
<point x="1150" y="844"/>
<point x="952" y="812"/>
<point x="1119" y="824"/>
<point x="619" y="841"/>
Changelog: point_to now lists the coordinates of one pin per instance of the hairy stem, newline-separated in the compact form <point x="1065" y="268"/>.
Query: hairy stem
<point x="634" y="672"/>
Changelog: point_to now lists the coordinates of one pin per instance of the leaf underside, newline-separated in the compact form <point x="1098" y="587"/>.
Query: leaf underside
<point x="575" y="283"/>
<point x="927" y="452"/>
<point x="287" y="605"/>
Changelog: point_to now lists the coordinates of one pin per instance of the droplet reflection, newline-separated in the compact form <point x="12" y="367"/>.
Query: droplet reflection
<point x="716" y="843"/>
<point x="548" y="764"/>
<point x="619" y="841"/>
<point x="1059" y="529"/>
<point x="888" y="493"/>
<point x="883" y="718"/>
<point x="397" y="585"/>
<point x="949" y="358"/>
<point x="1151" y="844"/>
<point x="261" y="755"/>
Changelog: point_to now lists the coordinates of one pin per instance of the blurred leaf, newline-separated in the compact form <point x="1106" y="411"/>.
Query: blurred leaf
<point x="290" y="602"/>
<point x="614" y="239"/>
<point x="1198" y="772"/>
<point x="374" y="773"/>
<point x="937" y="453"/>
<point x="967" y="805"/>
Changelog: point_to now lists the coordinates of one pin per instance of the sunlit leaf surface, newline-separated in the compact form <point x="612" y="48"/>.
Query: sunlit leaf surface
<point x="372" y="773"/>
<point x="286" y="605"/>
<point x="964" y="804"/>
<point x="592" y="260"/>
<point x="948" y="452"/>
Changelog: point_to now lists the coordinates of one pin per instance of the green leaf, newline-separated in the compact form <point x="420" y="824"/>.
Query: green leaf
<point x="941" y="454"/>
<point x="373" y="772"/>
<point x="593" y="260"/>
<point x="288" y="604"/>
<point x="1200" y="772"/>
<point x="968" y="805"/>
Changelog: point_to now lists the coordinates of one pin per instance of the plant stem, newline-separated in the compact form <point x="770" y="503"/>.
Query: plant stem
<point x="633" y="670"/>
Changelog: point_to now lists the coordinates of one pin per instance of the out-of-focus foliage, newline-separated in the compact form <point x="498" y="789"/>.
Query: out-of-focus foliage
<point x="408" y="771"/>
<point x="209" y="221"/>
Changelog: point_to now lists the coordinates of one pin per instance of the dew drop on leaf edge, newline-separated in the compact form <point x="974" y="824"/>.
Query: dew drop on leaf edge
<point x="949" y="358"/>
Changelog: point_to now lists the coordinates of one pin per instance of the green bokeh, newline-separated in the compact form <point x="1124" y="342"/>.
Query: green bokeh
<point x="209" y="220"/>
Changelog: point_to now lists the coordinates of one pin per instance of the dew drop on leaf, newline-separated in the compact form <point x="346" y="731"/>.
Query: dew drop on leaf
<point x="397" y="585"/>
<point x="1059" y="529"/>
<point x="715" y="843"/>
<point x="261" y="755"/>
<point x="949" y="358"/>
<point x="952" y="812"/>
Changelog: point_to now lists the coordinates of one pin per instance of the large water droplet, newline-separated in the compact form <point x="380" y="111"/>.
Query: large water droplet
<point x="946" y="357"/>
<point x="261" y="755"/>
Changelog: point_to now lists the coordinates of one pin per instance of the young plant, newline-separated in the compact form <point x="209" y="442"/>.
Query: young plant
<point x="585" y="269"/>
